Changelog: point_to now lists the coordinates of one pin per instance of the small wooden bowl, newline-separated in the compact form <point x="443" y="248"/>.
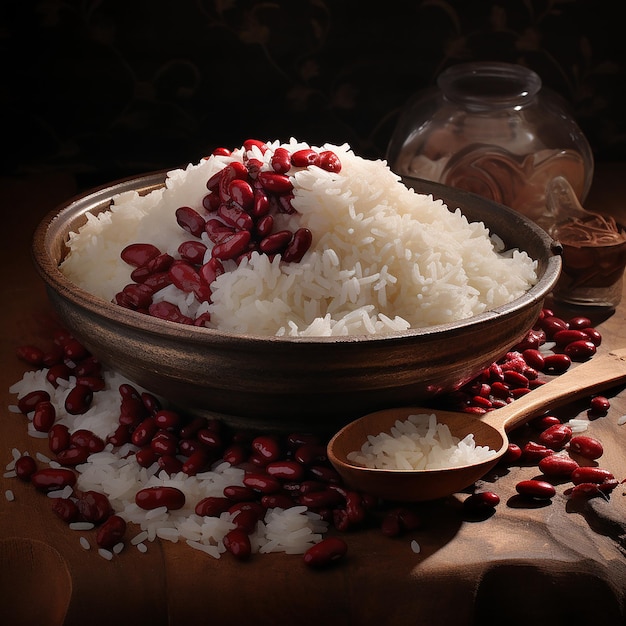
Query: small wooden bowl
<point x="292" y="383"/>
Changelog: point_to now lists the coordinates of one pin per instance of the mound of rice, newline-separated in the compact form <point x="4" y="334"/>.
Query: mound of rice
<point x="418" y="443"/>
<point x="383" y="258"/>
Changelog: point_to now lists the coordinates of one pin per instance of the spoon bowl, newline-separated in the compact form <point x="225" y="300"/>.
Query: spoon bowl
<point x="489" y="430"/>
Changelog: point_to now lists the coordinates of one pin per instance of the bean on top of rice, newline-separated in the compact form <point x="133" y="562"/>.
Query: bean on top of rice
<point x="294" y="240"/>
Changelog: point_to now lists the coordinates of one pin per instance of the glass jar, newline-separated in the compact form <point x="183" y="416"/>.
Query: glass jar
<point x="490" y="128"/>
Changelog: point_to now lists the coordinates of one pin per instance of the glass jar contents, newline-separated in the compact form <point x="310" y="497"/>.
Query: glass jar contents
<point x="491" y="129"/>
<point x="594" y="249"/>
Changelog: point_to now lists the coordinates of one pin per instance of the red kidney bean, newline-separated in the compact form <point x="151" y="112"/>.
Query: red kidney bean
<point x="192" y="251"/>
<point x="552" y="325"/>
<point x="170" y="464"/>
<point x="237" y="542"/>
<point x="308" y="454"/>
<point x="58" y="438"/>
<point x="254" y="166"/>
<point x="593" y="335"/>
<point x="276" y="242"/>
<point x="326" y="552"/>
<point x="138" y="254"/>
<point x="515" y="379"/>
<point x="196" y="462"/>
<point x="212" y="506"/>
<point x="261" y="205"/>
<point x="579" y="322"/>
<point x="144" y="432"/>
<point x="44" y="416"/>
<point x="86" y="439"/>
<point x="534" y="358"/>
<point x="305" y="157"/>
<point x="587" y="447"/>
<point x="564" y="337"/>
<point x="94" y="507"/>
<point x="512" y="455"/>
<point x="25" y="467"/>
<point x="539" y="489"/>
<point x="211" y="440"/>
<point x="95" y="383"/>
<point x="154" y="497"/>
<point x="276" y="183"/>
<point x="295" y="440"/>
<point x="132" y="410"/>
<point x="277" y="500"/>
<point x="324" y="473"/>
<point x="533" y="452"/>
<point x="580" y="350"/>
<point x="211" y="201"/>
<point x="53" y="478"/>
<point x="65" y="509"/>
<point x="247" y="519"/>
<point x="544" y="422"/>
<point x="189" y="430"/>
<point x="556" y="363"/>
<point x="230" y="248"/>
<point x="298" y="246"/>
<point x="242" y="194"/>
<point x="556" y="436"/>
<point x="232" y="171"/>
<point x="28" y="402"/>
<point x="73" y="456"/>
<point x="78" y="400"/>
<point x="285" y="470"/>
<point x="190" y="220"/>
<point x="184" y="276"/>
<point x="164" y="443"/>
<point x="111" y="532"/>
<point x="235" y="217"/>
<point x="500" y="390"/>
<point x="156" y="266"/>
<point x="170" y="312"/>
<point x="56" y="372"/>
<point x="320" y="499"/>
<point x="281" y="161"/>
<point x="330" y="162"/>
<point x="166" y="419"/>
<point x="285" y="203"/>
<point x="590" y="490"/>
<point x="53" y="356"/>
<point x="31" y="355"/>
<point x="74" y="350"/>
<point x="558" y="465"/>
<point x="146" y="456"/>
<point x="481" y="502"/>
<point x="588" y="474"/>
<point x="261" y="483"/>
<point x="235" y="454"/>
<point x="120" y="436"/>
<point x="599" y="405"/>
<point x="267" y="447"/>
<point x="239" y="493"/>
<point x="248" y="144"/>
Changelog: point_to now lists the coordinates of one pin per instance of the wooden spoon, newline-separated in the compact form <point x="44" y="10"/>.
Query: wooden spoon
<point x="490" y="429"/>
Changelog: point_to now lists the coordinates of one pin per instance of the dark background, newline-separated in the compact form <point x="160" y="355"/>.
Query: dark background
<point x="109" y="88"/>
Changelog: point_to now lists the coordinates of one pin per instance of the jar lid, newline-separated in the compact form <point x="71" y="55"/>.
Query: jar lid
<point x="489" y="86"/>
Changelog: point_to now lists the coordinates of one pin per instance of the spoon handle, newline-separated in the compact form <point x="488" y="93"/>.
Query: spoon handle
<point x="602" y="372"/>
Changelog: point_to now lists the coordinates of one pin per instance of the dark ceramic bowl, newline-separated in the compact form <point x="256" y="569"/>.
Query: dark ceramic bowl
<point x="288" y="383"/>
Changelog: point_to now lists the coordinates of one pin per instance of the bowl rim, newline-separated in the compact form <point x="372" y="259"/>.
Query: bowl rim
<point x="87" y="202"/>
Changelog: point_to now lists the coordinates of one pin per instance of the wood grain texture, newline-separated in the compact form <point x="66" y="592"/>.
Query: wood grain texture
<point x="555" y="563"/>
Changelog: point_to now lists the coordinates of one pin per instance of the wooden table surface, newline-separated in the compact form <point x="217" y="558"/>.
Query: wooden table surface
<point x="559" y="563"/>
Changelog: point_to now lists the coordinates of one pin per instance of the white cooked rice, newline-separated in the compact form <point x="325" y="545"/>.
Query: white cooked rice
<point x="117" y="475"/>
<point x="418" y="443"/>
<point x="383" y="258"/>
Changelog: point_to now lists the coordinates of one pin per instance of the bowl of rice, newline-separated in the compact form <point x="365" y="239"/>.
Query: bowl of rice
<point x="285" y="285"/>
